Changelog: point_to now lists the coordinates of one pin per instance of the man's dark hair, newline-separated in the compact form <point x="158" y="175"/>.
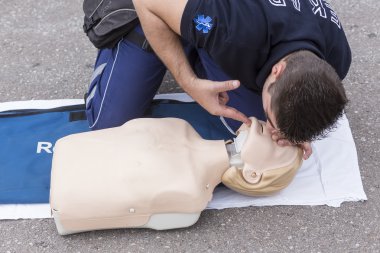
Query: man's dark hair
<point x="308" y="98"/>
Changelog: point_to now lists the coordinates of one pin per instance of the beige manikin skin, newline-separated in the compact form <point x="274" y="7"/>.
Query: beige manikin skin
<point x="120" y="177"/>
<point x="155" y="173"/>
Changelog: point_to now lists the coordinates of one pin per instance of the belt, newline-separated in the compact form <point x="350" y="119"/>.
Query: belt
<point x="139" y="40"/>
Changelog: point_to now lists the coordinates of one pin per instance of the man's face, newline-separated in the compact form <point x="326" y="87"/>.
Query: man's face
<point x="275" y="74"/>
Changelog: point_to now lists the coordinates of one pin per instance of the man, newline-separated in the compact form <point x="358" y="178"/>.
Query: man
<point x="293" y="51"/>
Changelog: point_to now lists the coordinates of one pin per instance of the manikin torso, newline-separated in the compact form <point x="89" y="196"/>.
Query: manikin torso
<point x="156" y="173"/>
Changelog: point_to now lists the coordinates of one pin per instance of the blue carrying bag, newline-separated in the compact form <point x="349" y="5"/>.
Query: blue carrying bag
<point x="28" y="137"/>
<point x="27" y="141"/>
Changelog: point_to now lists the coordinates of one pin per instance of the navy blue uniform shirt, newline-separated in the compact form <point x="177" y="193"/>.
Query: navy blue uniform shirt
<point x="247" y="37"/>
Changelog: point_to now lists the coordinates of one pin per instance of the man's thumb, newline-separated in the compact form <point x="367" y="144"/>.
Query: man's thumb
<point x="228" y="85"/>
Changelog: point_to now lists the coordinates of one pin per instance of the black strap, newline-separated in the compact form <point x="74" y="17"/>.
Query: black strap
<point x="139" y="40"/>
<point x="77" y="116"/>
<point x="28" y="112"/>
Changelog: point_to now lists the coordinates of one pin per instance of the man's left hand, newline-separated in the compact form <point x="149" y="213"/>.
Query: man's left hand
<point x="306" y="146"/>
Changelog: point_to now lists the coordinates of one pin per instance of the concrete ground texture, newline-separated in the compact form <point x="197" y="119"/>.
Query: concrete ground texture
<point x="44" y="54"/>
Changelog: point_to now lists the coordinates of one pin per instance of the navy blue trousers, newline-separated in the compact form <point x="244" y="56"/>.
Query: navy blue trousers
<point x="126" y="78"/>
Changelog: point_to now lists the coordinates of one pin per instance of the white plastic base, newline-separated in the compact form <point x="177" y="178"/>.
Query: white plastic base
<point x="157" y="222"/>
<point x="171" y="220"/>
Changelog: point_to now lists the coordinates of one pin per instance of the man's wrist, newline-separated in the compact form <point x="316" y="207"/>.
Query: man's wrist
<point x="186" y="81"/>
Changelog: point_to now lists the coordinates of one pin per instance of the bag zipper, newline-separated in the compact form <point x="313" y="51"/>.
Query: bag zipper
<point x="96" y="9"/>
<point x="111" y="14"/>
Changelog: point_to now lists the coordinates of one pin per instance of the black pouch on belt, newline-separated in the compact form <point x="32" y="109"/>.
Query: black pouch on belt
<point x="106" y="22"/>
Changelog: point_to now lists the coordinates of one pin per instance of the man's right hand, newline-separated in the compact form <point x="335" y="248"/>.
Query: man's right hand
<point x="213" y="97"/>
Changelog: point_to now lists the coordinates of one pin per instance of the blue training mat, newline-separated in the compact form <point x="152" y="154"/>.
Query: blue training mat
<point x="28" y="137"/>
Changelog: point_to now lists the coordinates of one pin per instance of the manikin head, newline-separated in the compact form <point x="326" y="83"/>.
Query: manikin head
<point x="265" y="167"/>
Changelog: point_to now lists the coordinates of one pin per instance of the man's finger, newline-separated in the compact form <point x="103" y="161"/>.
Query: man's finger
<point x="307" y="150"/>
<point x="275" y="137"/>
<point x="223" y="98"/>
<point x="278" y="138"/>
<point x="232" y="113"/>
<point x="284" y="142"/>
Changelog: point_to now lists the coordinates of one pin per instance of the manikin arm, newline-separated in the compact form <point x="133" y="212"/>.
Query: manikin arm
<point x="161" y="24"/>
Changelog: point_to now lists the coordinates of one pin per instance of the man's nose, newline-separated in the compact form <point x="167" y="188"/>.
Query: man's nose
<point x="269" y="126"/>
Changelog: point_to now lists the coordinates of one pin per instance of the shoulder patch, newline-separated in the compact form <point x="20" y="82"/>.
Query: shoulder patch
<point x="202" y="23"/>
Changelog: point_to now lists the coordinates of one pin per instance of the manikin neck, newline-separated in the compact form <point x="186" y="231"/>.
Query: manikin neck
<point x="234" y="149"/>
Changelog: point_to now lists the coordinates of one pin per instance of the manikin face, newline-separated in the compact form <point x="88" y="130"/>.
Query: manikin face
<point x="260" y="152"/>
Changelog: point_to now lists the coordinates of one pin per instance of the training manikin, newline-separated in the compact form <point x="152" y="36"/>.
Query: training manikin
<point x="159" y="173"/>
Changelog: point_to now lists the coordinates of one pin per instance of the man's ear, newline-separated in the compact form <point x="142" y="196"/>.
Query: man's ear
<point x="278" y="69"/>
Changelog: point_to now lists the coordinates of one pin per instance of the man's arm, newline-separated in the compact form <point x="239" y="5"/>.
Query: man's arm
<point x="161" y="22"/>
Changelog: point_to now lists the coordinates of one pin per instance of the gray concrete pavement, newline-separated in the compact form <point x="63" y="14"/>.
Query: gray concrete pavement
<point x="44" y="55"/>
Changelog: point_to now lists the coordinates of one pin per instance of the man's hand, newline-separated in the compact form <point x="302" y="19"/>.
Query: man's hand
<point x="306" y="146"/>
<point x="213" y="97"/>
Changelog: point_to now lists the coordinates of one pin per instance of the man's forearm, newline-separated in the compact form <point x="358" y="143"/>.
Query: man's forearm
<point x="161" y="24"/>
